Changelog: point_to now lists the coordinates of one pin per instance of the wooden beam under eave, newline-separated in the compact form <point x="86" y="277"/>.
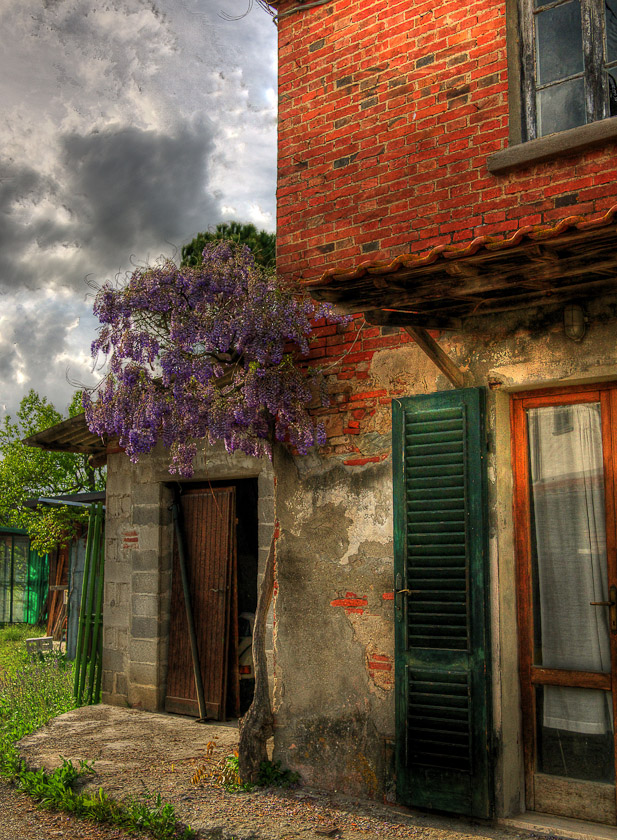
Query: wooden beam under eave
<point x="432" y="349"/>
<point x="399" y="318"/>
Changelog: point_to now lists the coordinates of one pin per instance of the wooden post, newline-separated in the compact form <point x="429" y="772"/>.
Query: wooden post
<point x="432" y="349"/>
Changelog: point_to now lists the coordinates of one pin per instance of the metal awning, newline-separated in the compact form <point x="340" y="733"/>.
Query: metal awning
<point x="448" y="285"/>
<point x="72" y="435"/>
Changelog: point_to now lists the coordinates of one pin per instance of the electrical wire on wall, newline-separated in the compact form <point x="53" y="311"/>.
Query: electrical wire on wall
<point x="301" y="8"/>
<point x="267" y="7"/>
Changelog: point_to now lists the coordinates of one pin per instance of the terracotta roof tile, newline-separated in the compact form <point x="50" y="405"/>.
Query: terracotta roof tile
<point x="531" y="233"/>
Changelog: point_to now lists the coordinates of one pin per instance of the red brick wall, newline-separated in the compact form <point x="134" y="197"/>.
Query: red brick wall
<point x="388" y="112"/>
<point x="344" y="353"/>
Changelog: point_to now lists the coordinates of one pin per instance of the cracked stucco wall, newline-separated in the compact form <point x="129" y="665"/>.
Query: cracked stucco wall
<point x="334" y="698"/>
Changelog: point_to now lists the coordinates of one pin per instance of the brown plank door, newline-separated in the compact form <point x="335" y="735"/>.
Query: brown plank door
<point x="209" y="517"/>
<point x="564" y="450"/>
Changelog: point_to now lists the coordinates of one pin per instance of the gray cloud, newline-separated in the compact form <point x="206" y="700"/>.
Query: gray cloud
<point x="133" y="190"/>
<point x="130" y="125"/>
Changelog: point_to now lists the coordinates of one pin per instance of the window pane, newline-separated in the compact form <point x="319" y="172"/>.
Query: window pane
<point x="575" y="733"/>
<point x="6" y="543"/>
<point x="559" y="42"/>
<point x="612" y="92"/>
<point x="568" y="538"/>
<point x="610" y="7"/>
<point x="561" y="107"/>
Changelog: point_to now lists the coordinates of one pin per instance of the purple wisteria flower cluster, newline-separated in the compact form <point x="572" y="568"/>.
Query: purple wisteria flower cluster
<point x="204" y="353"/>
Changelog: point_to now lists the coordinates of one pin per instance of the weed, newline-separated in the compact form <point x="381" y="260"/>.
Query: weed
<point x="11" y="634"/>
<point x="272" y="775"/>
<point x="13" y="645"/>
<point x="55" y="791"/>
<point x="29" y="697"/>
<point x="225" y="772"/>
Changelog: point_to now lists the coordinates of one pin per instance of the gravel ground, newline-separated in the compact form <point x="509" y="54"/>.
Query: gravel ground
<point x="20" y="819"/>
<point x="137" y="753"/>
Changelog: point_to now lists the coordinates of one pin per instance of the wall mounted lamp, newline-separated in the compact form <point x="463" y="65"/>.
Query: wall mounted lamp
<point x="574" y="321"/>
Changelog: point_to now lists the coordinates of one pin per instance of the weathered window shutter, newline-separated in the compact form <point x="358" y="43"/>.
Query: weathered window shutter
<point x="442" y="651"/>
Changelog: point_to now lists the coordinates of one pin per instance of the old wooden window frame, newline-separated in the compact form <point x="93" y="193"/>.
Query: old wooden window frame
<point x="521" y="32"/>
<point x="532" y="675"/>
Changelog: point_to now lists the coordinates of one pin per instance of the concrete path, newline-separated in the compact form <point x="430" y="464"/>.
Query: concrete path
<point x="138" y="754"/>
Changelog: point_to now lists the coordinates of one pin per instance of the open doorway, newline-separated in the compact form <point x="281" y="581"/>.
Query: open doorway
<point x="219" y="522"/>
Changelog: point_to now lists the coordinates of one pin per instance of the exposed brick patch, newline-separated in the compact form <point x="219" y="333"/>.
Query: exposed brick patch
<point x="361" y="462"/>
<point x="352" y="603"/>
<point x="388" y="596"/>
<point x="380" y="669"/>
<point x="130" y="539"/>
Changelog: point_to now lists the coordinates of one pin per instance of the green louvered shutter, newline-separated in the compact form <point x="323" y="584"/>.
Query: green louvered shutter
<point x="442" y="651"/>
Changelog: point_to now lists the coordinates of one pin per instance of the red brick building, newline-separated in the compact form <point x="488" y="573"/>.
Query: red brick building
<point x="448" y="174"/>
<point x="444" y="631"/>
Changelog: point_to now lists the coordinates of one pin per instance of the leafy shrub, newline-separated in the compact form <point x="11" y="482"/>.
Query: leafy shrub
<point x="272" y="775"/>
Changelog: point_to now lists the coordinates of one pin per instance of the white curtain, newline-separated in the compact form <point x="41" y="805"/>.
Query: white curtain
<point x="567" y="500"/>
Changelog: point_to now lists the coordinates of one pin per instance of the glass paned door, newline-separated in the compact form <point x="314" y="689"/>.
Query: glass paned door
<point x="567" y="599"/>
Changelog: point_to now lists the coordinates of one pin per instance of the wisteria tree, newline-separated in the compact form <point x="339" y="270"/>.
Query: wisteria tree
<point x="209" y="353"/>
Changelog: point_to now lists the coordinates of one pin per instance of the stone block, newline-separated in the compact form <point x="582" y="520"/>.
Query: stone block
<point x="141" y="673"/>
<point x="165" y="584"/>
<point x="121" y="684"/>
<point x="144" y="628"/>
<point x="109" y="637"/>
<point x="117" y="571"/>
<point x="122" y="594"/>
<point x="149" y="538"/>
<point x="146" y="494"/>
<point x="144" y="697"/>
<point x="145" y="560"/>
<point x="146" y="583"/>
<point x="115" y="616"/>
<point x="265" y="534"/>
<point x="265" y="509"/>
<point x="107" y="681"/>
<point x="145" y="651"/>
<point x="113" y="660"/>
<point x="146" y="515"/>
<point x="109" y="594"/>
<point x="145" y="605"/>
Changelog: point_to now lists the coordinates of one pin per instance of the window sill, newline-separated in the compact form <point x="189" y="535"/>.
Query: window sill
<point x="553" y="146"/>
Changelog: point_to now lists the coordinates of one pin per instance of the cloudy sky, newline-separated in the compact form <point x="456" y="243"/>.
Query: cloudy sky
<point x="128" y="126"/>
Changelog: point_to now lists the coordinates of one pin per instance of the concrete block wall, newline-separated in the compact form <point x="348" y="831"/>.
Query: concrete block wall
<point x="139" y="552"/>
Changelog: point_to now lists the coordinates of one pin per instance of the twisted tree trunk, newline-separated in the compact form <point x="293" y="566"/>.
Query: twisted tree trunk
<point x="257" y="724"/>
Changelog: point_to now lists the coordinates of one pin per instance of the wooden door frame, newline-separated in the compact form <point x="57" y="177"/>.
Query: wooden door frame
<point x="606" y="394"/>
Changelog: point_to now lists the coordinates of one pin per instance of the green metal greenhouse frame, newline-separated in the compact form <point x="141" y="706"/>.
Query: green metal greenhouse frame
<point x="23" y="579"/>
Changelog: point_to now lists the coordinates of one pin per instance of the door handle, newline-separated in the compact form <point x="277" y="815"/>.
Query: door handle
<point x="398" y="600"/>
<point x="612" y="604"/>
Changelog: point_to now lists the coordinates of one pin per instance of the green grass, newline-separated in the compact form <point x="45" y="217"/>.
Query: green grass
<point x="33" y="690"/>
<point x="13" y="645"/>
